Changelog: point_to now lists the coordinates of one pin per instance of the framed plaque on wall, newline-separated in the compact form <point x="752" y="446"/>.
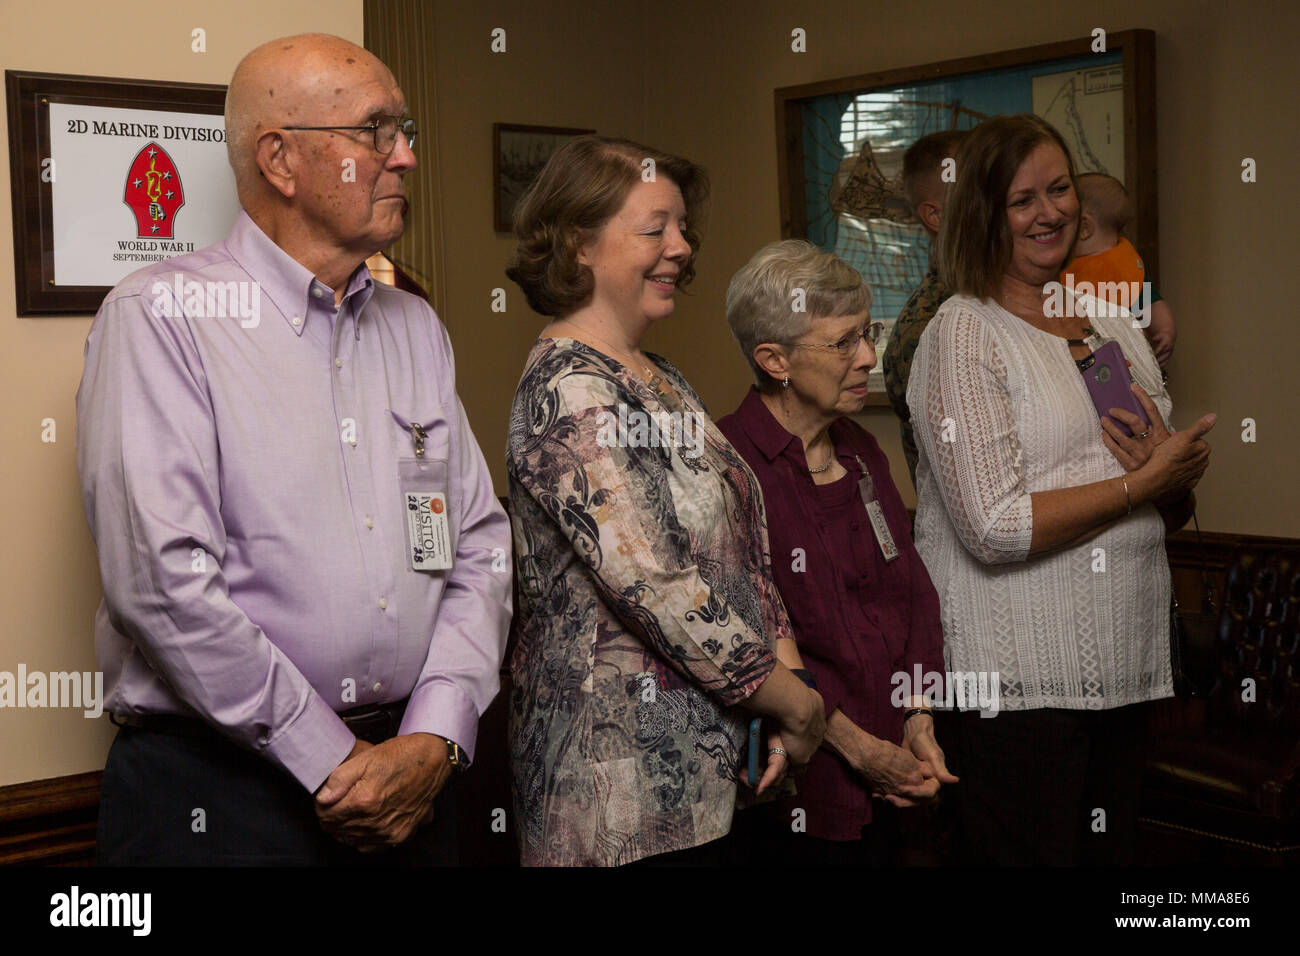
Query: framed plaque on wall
<point x="108" y="176"/>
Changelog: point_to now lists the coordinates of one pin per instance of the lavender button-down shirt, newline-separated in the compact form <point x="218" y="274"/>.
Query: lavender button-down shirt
<point x="244" y="478"/>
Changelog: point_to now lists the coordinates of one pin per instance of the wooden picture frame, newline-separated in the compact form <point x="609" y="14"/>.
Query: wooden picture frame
<point x="1128" y="54"/>
<point x="29" y="97"/>
<point x="518" y="154"/>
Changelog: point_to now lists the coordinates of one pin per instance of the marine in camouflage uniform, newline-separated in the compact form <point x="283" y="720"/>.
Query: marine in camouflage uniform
<point x="916" y="315"/>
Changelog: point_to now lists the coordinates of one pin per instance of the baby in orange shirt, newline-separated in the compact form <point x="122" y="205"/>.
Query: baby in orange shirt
<point x="1102" y="255"/>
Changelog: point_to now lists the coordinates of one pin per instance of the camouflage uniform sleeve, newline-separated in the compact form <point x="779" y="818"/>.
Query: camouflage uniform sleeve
<point x="912" y="320"/>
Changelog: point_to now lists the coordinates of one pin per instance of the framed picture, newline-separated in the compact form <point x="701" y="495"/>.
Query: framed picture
<point x="108" y="176"/>
<point x="518" y="155"/>
<point x="840" y="146"/>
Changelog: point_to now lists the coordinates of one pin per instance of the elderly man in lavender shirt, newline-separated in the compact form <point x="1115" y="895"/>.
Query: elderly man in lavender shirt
<point x="305" y="569"/>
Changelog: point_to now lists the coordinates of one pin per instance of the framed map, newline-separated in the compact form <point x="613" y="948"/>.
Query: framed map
<point x="840" y="146"/>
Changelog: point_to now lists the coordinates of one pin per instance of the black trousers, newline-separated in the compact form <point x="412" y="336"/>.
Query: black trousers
<point x="761" y="836"/>
<point x="713" y="853"/>
<point x="1049" y="787"/>
<point x="252" y="813"/>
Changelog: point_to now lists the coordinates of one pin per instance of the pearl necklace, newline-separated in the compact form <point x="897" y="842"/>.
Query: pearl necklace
<point x="829" y="460"/>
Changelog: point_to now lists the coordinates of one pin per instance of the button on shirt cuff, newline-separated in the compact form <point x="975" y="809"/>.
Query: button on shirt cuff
<point x="312" y="745"/>
<point x="444" y="709"/>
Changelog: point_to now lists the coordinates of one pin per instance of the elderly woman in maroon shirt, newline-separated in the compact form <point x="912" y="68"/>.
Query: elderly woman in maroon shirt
<point x="859" y="597"/>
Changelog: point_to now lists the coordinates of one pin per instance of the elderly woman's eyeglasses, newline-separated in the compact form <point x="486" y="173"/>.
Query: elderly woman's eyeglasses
<point x="385" y="130"/>
<point x="849" y="343"/>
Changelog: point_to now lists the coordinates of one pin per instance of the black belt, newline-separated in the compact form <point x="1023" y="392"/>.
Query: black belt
<point x="373" y="723"/>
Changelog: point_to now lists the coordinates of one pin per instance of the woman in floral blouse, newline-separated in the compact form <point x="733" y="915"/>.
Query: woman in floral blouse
<point x="647" y="614"/>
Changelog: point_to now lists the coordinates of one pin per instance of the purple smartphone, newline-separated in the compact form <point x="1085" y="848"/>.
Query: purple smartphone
<point x="1108" y="382"/>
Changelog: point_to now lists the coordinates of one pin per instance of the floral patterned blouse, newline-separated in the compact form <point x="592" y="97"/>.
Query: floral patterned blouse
<point x="646" y="612"/>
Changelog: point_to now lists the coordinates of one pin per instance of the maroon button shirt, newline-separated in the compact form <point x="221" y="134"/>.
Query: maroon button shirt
<point x="858" y="619"/>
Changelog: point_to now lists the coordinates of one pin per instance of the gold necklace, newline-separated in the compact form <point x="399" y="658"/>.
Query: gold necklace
<point x="654" y="380"/>
<point x="615" y="351"/>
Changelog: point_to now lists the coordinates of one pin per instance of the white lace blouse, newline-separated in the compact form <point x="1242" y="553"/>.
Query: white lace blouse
<point x="1001" y="411"/>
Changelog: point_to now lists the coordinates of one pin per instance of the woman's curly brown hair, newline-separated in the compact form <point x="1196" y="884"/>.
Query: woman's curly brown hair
<point x="584" y="183"/>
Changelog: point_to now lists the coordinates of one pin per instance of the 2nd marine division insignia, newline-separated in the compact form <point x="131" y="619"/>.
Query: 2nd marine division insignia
<point x="153" y="191"/>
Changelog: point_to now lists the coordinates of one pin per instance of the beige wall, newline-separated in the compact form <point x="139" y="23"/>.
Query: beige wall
<point x="49" y="580"/>
<point x="697" y="78"/>
<point x="699" y="83"/>
<point x="573" y="64"/>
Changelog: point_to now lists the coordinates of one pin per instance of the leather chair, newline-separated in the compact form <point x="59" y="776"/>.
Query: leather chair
<point x="1223" y="776"/>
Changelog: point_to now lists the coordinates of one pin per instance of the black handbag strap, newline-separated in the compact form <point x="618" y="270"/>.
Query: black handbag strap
<point x="1208" y="606"/>
<point x="1178" y="637"/>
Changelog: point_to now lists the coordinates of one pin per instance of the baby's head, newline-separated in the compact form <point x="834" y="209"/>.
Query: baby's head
<point x="1104" y="211"/>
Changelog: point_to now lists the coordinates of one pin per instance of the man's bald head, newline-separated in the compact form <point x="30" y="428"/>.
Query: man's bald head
<point x="307" y="80"/>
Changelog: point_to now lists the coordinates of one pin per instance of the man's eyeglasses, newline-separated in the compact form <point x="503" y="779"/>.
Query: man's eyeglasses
<point x="385" y="130"/>
<point x="849" y="343"/>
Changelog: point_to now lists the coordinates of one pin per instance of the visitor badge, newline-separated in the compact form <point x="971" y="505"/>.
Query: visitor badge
<point x="428" y="533"/>
<point x="881" y="527"/>
<point x="876" y="514"/>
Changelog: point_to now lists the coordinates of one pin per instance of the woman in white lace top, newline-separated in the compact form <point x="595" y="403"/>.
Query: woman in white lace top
<point x="1042" y="528"/>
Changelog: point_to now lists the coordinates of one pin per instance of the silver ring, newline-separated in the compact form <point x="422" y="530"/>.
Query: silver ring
<point x="1145" y="434"/>
<point x="776" y="750"/>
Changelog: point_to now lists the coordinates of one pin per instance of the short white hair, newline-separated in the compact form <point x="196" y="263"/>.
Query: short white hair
<point x="763" y="298"/>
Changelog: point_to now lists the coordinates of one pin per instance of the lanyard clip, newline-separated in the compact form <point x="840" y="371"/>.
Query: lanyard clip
<point x="420" y="436"/>
<point x="865" y="484"/>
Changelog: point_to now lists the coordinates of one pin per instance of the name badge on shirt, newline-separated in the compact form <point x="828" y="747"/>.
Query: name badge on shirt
<point x="884" y="538"/>
<point x="427" y="532"/>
